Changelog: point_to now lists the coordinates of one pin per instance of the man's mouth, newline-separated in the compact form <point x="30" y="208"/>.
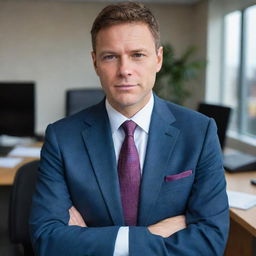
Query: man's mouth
<point x="125" y="86"/>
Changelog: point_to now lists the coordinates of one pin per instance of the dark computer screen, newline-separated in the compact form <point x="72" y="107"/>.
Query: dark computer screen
<point x="17" y="108"/>
<point x="79" y="99"/>
<point x="221" y="115"/>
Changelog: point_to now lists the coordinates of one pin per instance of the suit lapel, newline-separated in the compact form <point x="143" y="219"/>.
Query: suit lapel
<point x="161" y="141"/>
<point x="98" y="140"/>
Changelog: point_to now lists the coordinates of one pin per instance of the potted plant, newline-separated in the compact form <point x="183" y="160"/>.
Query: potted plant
<point x="171" y="80"/>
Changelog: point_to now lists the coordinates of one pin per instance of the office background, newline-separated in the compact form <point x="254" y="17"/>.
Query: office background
<point x="48" y="42"/>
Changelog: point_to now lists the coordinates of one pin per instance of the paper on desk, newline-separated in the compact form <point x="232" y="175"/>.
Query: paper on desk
<point x="241" y="200"/>
<point x="7" y="140"/>
<point x="26" y="152"/>
<point x="9" y="162"/>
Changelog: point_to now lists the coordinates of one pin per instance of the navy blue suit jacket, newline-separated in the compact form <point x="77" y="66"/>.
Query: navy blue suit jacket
<point x="182" y="174"/>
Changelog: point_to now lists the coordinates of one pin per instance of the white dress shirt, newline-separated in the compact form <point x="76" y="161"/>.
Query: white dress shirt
<point x="142" y="119"/>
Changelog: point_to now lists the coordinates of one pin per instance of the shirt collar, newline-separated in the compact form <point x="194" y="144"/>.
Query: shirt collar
<point x="141" y="118"/>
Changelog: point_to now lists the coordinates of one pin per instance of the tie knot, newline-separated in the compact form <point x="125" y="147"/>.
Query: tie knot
<point x="129" y="127"/>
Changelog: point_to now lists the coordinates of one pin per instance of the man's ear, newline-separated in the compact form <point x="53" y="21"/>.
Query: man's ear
<point x="159" y="58"/>
<point x="93" y="54"/>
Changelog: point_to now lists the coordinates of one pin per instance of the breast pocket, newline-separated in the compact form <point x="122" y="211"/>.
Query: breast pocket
<point x="178" y="181"/>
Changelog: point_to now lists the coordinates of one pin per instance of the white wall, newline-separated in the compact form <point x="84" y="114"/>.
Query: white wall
<point x="49" y="43"/>
<point x="199" y="39"/>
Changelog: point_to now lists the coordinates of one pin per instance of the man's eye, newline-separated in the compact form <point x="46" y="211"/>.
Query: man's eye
<point x="138" y="55"/>
<point x="109" y="57"/>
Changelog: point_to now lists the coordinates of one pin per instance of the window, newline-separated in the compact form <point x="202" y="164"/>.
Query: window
<point x="231" y="64"/>
<point x="239" y="69"/>
<point x="249" y="74"/>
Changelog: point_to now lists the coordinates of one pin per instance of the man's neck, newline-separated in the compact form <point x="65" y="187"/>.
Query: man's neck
<point x="130" y="111"/>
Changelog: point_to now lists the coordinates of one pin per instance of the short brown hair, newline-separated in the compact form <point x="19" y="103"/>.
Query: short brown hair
<point x="125" y="12"/>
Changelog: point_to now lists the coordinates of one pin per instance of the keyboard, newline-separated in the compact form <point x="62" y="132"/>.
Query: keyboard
<point x="239" y="162"/>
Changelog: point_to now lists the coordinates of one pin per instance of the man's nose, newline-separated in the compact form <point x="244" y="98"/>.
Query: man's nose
<point x="125" y="67"/>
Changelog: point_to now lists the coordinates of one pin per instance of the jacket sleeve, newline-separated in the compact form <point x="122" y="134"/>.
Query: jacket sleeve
<point x="50" y="233"/>
<point x="207" y="213"/>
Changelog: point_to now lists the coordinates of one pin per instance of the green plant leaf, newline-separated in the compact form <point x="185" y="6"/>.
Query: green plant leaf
<point x="171" y="80"/>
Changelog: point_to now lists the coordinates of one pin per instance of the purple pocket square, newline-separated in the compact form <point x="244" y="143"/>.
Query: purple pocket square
<point x="178" y="176"/>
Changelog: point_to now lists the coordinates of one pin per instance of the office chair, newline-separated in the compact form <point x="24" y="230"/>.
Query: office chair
<point x="221" y="115"/>
<point x="78" y="99"/>
<point x="20" y="203"/>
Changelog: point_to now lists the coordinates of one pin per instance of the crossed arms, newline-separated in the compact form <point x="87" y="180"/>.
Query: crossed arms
<point x="164" y="228"/>
<point x="206" y="216"/>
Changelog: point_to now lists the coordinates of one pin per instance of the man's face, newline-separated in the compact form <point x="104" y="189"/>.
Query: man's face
<point x="126" y="62"/>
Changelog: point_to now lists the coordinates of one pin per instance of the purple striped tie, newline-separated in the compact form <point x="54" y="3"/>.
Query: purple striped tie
<point x="129" y="174"/>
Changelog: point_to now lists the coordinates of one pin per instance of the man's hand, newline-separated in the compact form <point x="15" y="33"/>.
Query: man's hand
<point x="167" y="227"/>
<point x="75" y="218"/>
<point x="164" y="228"/>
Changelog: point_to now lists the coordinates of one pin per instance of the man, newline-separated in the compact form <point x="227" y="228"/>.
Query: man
<point x="133" y="175"/>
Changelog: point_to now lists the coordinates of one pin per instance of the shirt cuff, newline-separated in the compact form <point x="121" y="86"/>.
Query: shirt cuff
<point x="122" y="242"/>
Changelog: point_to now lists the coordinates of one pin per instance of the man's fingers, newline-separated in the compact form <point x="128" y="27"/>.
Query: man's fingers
<point x="75" y="218"/>
<point x="169" y="226"/>
<point x="73" y="214"/>
<point x="78" y="217"/>
<point x="179" y="220"/>
<point x="72" y="220"/>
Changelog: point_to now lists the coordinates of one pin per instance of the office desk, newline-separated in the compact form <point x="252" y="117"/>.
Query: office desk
<point x="242" y="237"/>
<point x="7" y="174"/>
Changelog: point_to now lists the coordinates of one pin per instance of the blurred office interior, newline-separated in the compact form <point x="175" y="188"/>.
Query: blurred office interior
<point x="47" y="44"/>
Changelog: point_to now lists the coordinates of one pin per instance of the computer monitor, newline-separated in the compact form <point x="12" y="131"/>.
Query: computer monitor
<point x="79" y="99"/>
<point x="17" y="108"/>
<point x="221" y="115"/>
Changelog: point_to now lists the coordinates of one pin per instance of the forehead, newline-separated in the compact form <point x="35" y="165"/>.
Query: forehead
<point x="125" y="35"/>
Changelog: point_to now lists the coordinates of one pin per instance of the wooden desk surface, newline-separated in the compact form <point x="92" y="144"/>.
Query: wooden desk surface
<point x="7" y="174"/>
<point x="241" y="182"/>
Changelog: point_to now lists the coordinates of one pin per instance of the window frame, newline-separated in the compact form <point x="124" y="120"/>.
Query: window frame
<point x="242" y="114"/>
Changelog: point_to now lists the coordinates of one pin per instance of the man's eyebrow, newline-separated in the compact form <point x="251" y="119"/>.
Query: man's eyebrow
<point x="140" y="50"/>
<point x="109" y="52"/>
<point x="106" y="52"/>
